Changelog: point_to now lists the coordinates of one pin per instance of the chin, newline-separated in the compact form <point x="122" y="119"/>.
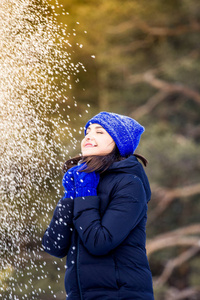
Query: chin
<point x="88" y="152"/>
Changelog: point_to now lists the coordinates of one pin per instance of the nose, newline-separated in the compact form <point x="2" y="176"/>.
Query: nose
<point x="89" y="136"/>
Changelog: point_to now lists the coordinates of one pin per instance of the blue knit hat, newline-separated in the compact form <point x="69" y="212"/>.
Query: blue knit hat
<point x="125" y="131"/>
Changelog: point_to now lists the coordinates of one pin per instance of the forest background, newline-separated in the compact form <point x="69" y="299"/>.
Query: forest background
<point x="142" y="59"/>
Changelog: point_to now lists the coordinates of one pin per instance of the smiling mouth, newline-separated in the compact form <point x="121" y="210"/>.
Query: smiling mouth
<point x="89" y="145"/>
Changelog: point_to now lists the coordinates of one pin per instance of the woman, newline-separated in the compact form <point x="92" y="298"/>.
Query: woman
<point x="100" y="222"/>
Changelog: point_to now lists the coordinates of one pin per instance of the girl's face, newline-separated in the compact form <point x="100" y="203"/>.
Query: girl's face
<point x="97" y="141"/>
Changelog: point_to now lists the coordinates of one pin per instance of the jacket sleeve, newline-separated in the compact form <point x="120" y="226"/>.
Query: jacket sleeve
<point x="127" y="207"/>
<point x="57" y="237"/>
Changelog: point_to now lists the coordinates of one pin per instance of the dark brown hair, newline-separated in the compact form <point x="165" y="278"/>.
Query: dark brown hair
<point x="99" y="163"/>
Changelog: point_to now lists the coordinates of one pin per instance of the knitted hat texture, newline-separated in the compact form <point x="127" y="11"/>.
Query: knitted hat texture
<point x="125" y="131"/>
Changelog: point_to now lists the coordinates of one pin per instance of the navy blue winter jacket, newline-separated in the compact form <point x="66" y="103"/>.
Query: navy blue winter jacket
<point x="104" y="237"/>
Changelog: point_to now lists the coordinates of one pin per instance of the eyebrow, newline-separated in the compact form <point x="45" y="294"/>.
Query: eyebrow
<point x="96" y="127"/>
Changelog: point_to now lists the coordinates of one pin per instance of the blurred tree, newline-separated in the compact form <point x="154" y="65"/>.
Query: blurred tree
<point x="142" y="59"/>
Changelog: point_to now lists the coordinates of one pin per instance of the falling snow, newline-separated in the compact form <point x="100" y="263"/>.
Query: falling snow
<point x="34" y="55"/>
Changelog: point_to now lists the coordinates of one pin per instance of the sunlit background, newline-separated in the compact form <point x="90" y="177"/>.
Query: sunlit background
<point x="63" y="61"/>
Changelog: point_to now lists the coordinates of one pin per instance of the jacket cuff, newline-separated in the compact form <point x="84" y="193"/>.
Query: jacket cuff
<point x="69" y="194"/>
<point x="64" y="210"/>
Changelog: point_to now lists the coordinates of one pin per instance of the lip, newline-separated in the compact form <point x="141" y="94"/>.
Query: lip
<point x="89" y="145"/>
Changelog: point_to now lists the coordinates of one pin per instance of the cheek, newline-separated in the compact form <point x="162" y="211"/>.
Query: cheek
<point x="111" y="146"/>
<point x="107" y="145"/>
<point x="82" y="143"/>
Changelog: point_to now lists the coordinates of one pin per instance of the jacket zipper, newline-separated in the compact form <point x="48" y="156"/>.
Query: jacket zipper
<point x="77" y="269"/>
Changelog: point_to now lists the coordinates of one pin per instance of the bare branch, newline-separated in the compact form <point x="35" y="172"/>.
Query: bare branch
<point x="188" y="293"/>
<point x="153" y="246"/>
<point x="149" y="106"/>
<point x="122" y="27"/>
<point x="165" y="88"/>
<point x="173" y="238"/>
<point x="136" y="45"/>
<point x="166" y="196"/>
<point x="174" y="263"/>
<point x="190" y="229"/>
<point x="164" y="31"/>
<point x="170" y="87"/>
<point x="134" y="24"/>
